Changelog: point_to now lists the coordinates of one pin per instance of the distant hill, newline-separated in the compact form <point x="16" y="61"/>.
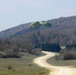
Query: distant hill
<point x="63" y="31"/>
<point x="21" y="29"/>
<point x="12" y="31"/>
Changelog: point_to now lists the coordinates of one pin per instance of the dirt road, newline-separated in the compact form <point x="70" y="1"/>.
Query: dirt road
<point x="54" y="70"/>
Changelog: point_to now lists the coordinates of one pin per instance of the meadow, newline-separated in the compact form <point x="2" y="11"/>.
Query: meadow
<point x="53" y="61"/>
<point x="20" y="66"/>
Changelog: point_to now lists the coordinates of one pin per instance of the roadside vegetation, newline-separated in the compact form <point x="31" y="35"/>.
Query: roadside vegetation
<point x="16" y="57"/>
<point x="66" y="57"/>
<point x="53" y="61"/>
<point x="20" y="66"/>
<point x="69" y="53"/>
<point x="11" y="48"/>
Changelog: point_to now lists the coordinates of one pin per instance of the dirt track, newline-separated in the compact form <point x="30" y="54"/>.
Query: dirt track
<point x="54" y="70"/>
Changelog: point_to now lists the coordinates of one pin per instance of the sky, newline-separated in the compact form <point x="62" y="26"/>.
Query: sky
<point x="16" y="12"/>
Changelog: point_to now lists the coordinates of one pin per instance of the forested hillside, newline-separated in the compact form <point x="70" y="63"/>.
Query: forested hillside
<point x="44" y="35"/>
<point x="63" y="32"/>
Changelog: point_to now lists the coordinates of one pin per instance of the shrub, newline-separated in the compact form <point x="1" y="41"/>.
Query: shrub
<point x="70" y="55"/>
<point x="10" y="52"/>
<point x="10" y="67"/>
<point x="66" y="55"/>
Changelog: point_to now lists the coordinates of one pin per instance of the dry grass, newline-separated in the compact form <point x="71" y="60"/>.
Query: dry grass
<point x="55" y="62"/>
<point x="20" y="66"/>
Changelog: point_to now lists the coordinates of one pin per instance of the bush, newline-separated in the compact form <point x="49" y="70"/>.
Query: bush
<point x="66" y="55"/>
<point x="10" y="56"/>
<point x="10" y="67"/>
<point x="10" y="52"/>
<point x="70" y="55"/>
<point x="36" y="51"/>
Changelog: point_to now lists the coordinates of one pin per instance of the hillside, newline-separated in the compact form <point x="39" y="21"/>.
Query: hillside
<point x="63" y="31"/>
<point x="12" y="31"/>
<point x="64" y="22"/>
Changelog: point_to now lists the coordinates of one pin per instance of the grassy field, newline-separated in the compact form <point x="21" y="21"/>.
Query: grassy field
<point x="20" y="66"/>
<point x="54" y="62"/>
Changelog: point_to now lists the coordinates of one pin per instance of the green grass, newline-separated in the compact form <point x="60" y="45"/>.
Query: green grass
<point x="20" y="66"/>
<point x="24" y="71"/>
<point x="54" y="62"/>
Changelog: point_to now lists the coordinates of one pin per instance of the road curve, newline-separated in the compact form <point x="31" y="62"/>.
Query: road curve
<point x="54" y="70"/>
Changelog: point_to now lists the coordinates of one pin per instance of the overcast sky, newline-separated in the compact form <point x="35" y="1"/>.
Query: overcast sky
<point x="15" y="12"/>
